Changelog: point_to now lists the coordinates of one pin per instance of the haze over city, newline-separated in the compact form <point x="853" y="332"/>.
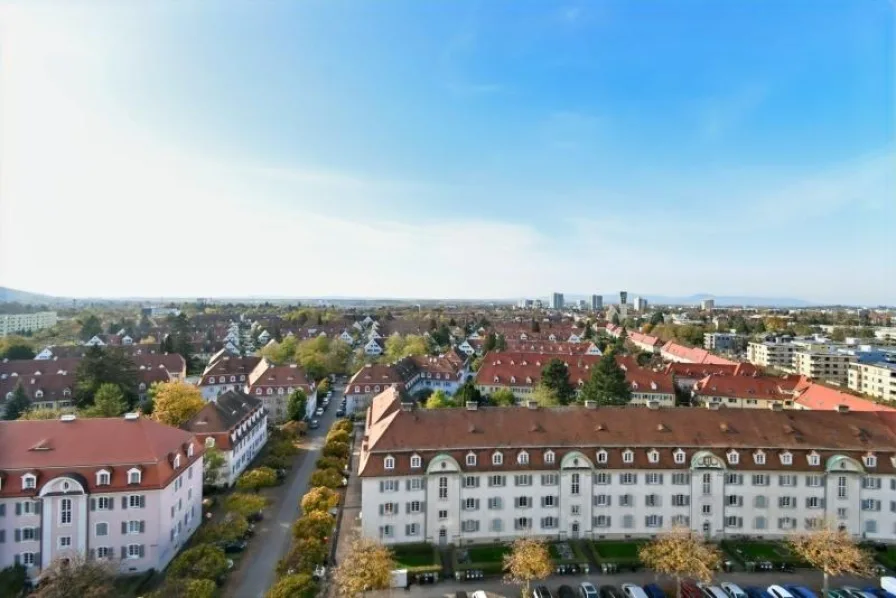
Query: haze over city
<point x="410" y="149"/>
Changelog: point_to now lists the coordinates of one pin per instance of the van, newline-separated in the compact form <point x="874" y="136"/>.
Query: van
<point x="779" y="592"/>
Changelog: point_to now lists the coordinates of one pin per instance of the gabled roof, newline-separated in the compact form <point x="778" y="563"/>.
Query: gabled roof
<point x="223" y="414"/>
<point x="819" y="397"/>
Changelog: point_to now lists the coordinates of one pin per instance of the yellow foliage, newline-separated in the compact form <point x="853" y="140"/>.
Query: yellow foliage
<point x="176" y="402"/>
<point x="681" y="553"/>
<point x="528" y="561"/>
<point x="367" y="566"/>
<point x="831" y="551"/>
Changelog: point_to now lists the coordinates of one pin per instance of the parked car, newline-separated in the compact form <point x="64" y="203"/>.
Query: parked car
<point x="712" y="591"/>
<point x="856" y="592"/>
<point x="314" y="424"/>
<point x="587" y="590"/>
<point x="340" y="412"/>
<point x="654" y="591"/>
<point x="565" y="591"/>
<point x="836" y="594"/>
<point x="234" y="546"/>
<point x="319" y="411"/>
<point x="610" y="592"/>
<point x="633" y="591"/>
<point x="733" y="590"/>
<point x="255" y="517"/>
<point x="542" y="592"/>
<point x="690" y="590"/>
<point x="800" y="591"/>
<point x="479" y="594"/>
<point x="779" y="592"/>
<point x="756" y="592"/>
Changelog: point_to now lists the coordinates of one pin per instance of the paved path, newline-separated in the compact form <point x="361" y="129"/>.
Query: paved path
<point x="274" y="535"/>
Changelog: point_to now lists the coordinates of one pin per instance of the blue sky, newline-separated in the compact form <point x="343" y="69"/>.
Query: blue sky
<point x="463" y="149"/>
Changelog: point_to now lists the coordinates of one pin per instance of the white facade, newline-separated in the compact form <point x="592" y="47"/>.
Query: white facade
<point x="14" y="323"/>
<point x="372" y="347"/>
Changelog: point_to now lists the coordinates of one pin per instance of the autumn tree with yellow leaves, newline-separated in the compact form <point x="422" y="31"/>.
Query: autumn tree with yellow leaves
<point x="367" y="567"/>
<point x="528" y="561"/>
<point x="681" y="553"/>
<point x="176" y="402"/>
<point x="831" y="551"/>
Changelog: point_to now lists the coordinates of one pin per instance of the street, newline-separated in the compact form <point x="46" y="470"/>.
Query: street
<point x="274" y="534"/>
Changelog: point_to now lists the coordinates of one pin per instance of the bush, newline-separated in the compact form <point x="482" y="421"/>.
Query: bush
<point x="344" y="424"/>
<point x="339" y="450"/>
<point x="319" y="499"/>
<point x="244" y="504"/>
<point x="277" y="462"/>
<point x="283" y="448"/>
<point x="200" y="562"/>
<point x="303" y="557"/>
<point x="293" y="429"/>
<point x="293" y="586"/>
<point x="326" y="478"/>
<point x="232" y="527"/>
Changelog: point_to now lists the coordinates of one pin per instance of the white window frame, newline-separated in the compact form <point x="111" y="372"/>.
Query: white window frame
<point x="129" y="555"/>
<point x="103" y="478"/>
<point x="497" y="458"/>
<point x="29" y="481"/>
<point x="66" y="513"/>
<point x="601" y="456"/>
<point x="389" y="462"/>
<point x="416" y="461"/>
<point x="628" y="456"/>
<point x="135" y="476"/>
<point x="549" y="457"/>
<point x="733" y="457"/>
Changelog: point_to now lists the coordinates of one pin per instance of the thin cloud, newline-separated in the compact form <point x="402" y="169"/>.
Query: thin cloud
<point x="722" y="114"/>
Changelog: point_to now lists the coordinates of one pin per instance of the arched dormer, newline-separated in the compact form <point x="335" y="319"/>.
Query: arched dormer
<point x="68" y="483"/>
<point x="843" y="464"/>
<point x="628" y="456"/>
<point x="522" y="458"/>
<point x="135" y="476"/>
<point x="706" y="460"/>
<point x="470" y="459"/>
<point x="733" y="457"/>
<point x="653" y="456"/>
<point x="416" y="461"/>
<point x="497" y="458"/>
<point x="442" y="463"/>
<point x="576" y="460"/>
<point x="759" y="457"/>
<point x="29" y="481"/>
<point x="602" y="456"/>
<point x="786" y="458"/>
<point x="549" y="457"/>
<point x="679" y="456"/>
<point x="103" y="477"/>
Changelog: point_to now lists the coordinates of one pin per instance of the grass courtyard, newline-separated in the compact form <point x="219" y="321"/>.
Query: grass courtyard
<point x="618" y="552"/>
<point x="416" y="557"/>
<point x="776" y="552"/>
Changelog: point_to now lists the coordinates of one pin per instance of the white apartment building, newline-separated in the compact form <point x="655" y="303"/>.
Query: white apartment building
<point x="494" y="474"/>
<point x="823" y="365"/>
<point x="771" y="354"/>
<point x="126" y="490"/>
<point x="876" y="380"/>
<point x="724" y="342"/>
<point x="14" y="323"/>
<point x="640" y="304"/>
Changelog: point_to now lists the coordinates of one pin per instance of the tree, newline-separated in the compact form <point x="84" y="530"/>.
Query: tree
<point x="12" y="580"/>
<point x="16" y="348"/>
<point x="336" y="435"/>
<point x="244" y="504"/>
<point x="315" y="524"/>
<point x="831" y="551"/>
<point x="212" y="462"/>
<point x="607" y="384"/>
<point x="555" y="376"/>
<point x="680" y="553"/>
<point x="528" y="561"/>
<point x="544" y="396"/>
<point x="320" y="499"/>
<point x="503" y="398"/>
<point x="439" y="400"/>
<point x="100" y="366"/>
<point x="176" y="402"/>
<point x="108" y="401"/>
<point x="17" y="405"/>
<point x="345" y="424"/>
<point x="90" y="327"/>
<point x="331" y="463"/>
<point x="254" y="479"/>
<point x="339" y="450"/>
<point x="283" y="448"/>
<point x="77" y="576"/>
<point x="490" y="342"/>
<point x="367" y="567"/>
<point x="186" y="588"/>
<point x="230" y="528"/>
<point x="615" y="319"/>
<point x="43" y="413"/>
<point x="204" y="561"/>
<point x="500" y="343"/>
<point x="299" y="585"/>
<point x="656" y="318"/>
<point x="328" y="478"/>
<point x="468" y="393"/>
<point x="303" y="557"/>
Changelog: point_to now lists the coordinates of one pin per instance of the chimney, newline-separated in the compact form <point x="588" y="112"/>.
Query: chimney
<point x="653" y="405"/>
<point x="532" y="404"/>
<point x="472" y="405"/>
<point x="842" y="408"/>
<point x="590" y="404"/>
<point x="407" y="406"/>
<point x="68" y="417"/>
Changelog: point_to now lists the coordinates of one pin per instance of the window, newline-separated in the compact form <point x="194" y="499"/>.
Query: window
<point x="497" y="459"/>
<point x="841" y="487"/>
<point x="760" y="479"/>
<point x="653" y="521"/>
<point x="870" y="504"/>
<point x="389" y="463"/>
<point x="759" y="523"/>
<point x="522" y="502"/>
<point x="814" y="502"/>
<point x="652" y="500"/>
<point x="871" y="483"/>
<point x="786" y="523"/>
<point x="628" y="457"/>
<point x="415" y="484"/>
<point x="443" y="488"/>
<point x="813" y="481"/>
<point x="574" y="485"/>
<point x="734" y="500"/>
<point x="601" y="456"/>
<point x="65" y="541"/>
<point x="469" y="525"/>
<point x="523" y="480"/>
<point x="27" y="559"/>
<point x="602" y="500"/>
<point x="653" y="456"/>
<point x="135" y="551"/>
<point x="734" y="479"/>
<point x="65" y="511"/>
<point x="869" y="461"/>
<point x="602" y="521"/>
<point x="103" y="478"/>
<point x="104" y="503"/>
<point x="412" y="529"/>
<point x="759" y="458"/>
<point x="549" y="457"/>
<point x="522" y="523"/>
<point x="706" y="510"/>
<point x="681" y="500"/>
<point x="495" y="503"/>
<point x="29" y="533"/>
<point x="760" y="502"/>
<point x="628" y="478"/>
<point x="626" y="500"/>
<point x="602" y="479"/>
<point x="134" y="476"/>
<point x="549" y="501"/>
<point x="679" y="456"/>
<point x="523" y="458"/>
<point x="102" y="529"/>
<point x="471" y="460"/>
<point x="787" y="502"/>
<point x="787" y="480"/>
<point x="471" y="504"/>
<point x="681" y="479"/>
<point x="733" y="521"/>
<point x="550" y="479"/>
<point x="870" y="526"/>
<point x="628" y="521"/>
<point x="471" y="481"/>
<point x="814" y="459"/>
<point x="654" y="478"/>
<point x="548" y="522"/>
<point x="496" y="525"/>
<point x="134" y="527"/>
<point x="497" y="481"/>
<point x="786" y="459"/>
<point x="29" y="481"/>
<point x="390" y="485"/>
<point x="443" y="515"/>
<point x="103" y="552"/>
<point x="733" y="457"/>
<point x="415" y="506"/>
<point x="707" y="484"/>
<point x="416" y="462"/>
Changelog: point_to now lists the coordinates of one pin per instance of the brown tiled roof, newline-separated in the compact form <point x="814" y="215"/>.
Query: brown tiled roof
<point x="702" y="370"/>
<point x="511" y="429"/>
<point x="29" y="367"/>
<point x="230" y="365"/>
<point x="746" y="387"/>
<point x="53" y="386"/>
<point x="267" y="374"/>
<point x="556" y="348"/>
<point x="173" y="362"/>
<point x="84" y="446"/>
<point x="819" y="397"/>
<point x="646" y="339"/>
<point x="694" y="355"/>
<point x="222" y="417"/>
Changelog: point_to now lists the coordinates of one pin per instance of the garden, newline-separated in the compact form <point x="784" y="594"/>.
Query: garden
<point x="749" y="551"/>
<point x="417" y="558"/>
<point x="488" y="558"/>
<point x="622" y="552"/>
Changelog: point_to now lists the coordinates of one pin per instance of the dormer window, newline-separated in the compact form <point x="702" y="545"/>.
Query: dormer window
<point x="628" y="456"/>
<point x="733" y="457"/>
<point x="601" y="456"/>
<point x="759" y="458"/>
<point x="389" y="462"/>
<point x="513" y="379"/>
<point x="786" y="459"/>
<point x="258" y="391"/>
<point x="497" y="459"/>
<point x="209" y="442"/>
<point x="103" y="478"/>
<point x="549" y="457"/>
<point x="270" y="390"/>
<point x="66" y="392"/>
<point x="523" y="458"/>
<point x="496" y="379"/>
<point x="134" y="476"/>
<point x="142" y="387"/>
<point x="416" y="461"/>
<point x="190" y="450"/>
<point x="233" y="378"/>
<point x="221" y="379"/>
<point x="471" y="459"/>
<point x="679" y="456"/>
<point x="39" y="394"/>
<point x="814" y="459"/>
<point x="653" y="456"/>
<point x="29" y="481"/>
<point x="869" y="461"/>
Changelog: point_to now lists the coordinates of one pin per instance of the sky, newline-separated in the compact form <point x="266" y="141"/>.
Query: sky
<point x="436" y="148"/>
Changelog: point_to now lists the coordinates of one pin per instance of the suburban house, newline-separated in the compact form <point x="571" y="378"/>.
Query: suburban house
<point x="46" y="391"/>
<point x="126" y="490"/>
<point x="745" y="392"/>
<point x="645" y="342"/>
<point x="375" y="346"/>
<point x="686" y="375"/>
<point x="237" y="425"/>
<point x="486" y="474"/>
<point x="273" y="384"/>
<point x="226" y="372"/>
<point x="672" y="351"/>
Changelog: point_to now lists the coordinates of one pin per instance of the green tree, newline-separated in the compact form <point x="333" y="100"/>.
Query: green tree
<point x="204" y="561"/>
<point x="316" y="524"/>
<point x="230" y="528"/>
<point x="320" y="499"/>
<point x="90" y="327"/>
<point x="491" y="341"/>
<point x="468" y="393"/>
<point x="186" y="588"/>
<point x="336" y="449"/>
<point x="12" y="580"/>
<point x="331" y="463"/>
<point x="16" y="347"/>
<point x="544" y="396"/>
<point x="607" y="384"/>
<point x="103" y="365"/>
<point x="555" y="377"/>
<point x="367" y="567"/>
<point x="500" y="343"/>
<point x="503" y="398"/>
<point x="326" y="478"/>
<point x="17" y="405"/>
<point x="244" y="504"/>
<point x="108" y="401"/>
<point x="615" y="319"/>
<point x="255" y="479"/>
<point x="303" y="557"/>
<point x="528" y="561"/>
<point x="212" y="462"/>
<point x="439" y="400"/>
<point x="295" y="406"/>
<point x="656" y="318"/>
<point x="299" y="585"/>
<point x="536" y="327"/>
<point x="338" y="435"/>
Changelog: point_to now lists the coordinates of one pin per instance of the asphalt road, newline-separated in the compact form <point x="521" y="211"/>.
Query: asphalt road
<point x="274" y="534"/>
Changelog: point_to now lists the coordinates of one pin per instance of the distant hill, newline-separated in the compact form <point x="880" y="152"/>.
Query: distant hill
<point x="15" y="296"/>
<point x="721" y="300"/>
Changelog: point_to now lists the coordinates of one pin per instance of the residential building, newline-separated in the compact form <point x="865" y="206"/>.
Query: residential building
<point x="597" y="302"/>
<point x="745" y="392"/>
<point x="825" y="365"/>
<point x="375" y="346"/>
<point x="557" y="301"/>
<point x="707" y="304"/>
<point x="226" y="372"/>
<point x="672" y="351"/>
<point x="471" y="475"/>
<point x="645" y="342"/>
<point x="623" y="297"/>
<point x="17" y="323"/>
<point x="237" y="425"/>
<point x="771" y="354"/>
<point x="126" y="490"/>
<point x="876" y="380"/>
<point x="724" y="342"/>
<point x="640" y="304"/>
<point x="272" y="384"/>
<point x="818" y="397"/>
<point x="686" y="375"/>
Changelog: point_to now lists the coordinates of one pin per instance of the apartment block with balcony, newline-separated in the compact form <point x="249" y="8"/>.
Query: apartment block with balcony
<point x="15" y="323"/>
<point x="823" y="365"/>
<point x="771" y="355"/>
<point x="876" y="380"/>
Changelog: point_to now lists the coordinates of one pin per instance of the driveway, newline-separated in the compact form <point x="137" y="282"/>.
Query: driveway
<point x="273" y="535"/>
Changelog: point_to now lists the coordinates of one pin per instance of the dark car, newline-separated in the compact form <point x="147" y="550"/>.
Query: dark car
<point x="654" y="591"/>
<point x="756" y="592"/>
<point x="235" y="546"/>
<point x="610" y="592"/>
<point x="314" y="424"/>
<point x="542" y="592"/>
<point x="340" y="412"/>
<point x="255" y="517"/>
<point x="565" y="592"/>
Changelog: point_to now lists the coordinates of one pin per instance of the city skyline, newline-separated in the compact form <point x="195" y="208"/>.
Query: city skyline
<point x="334" y="149"/>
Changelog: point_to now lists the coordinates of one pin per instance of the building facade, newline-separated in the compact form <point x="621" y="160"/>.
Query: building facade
<point x="771" y="355"/>
<point x="126" y="490"/>
<point x="728" y="342"/>
<point x="876" y="380"/>
<point x="16" y="323"/>
<point x="640" y="304"/>
<point x="225" y="372"/>
<point x="272" y="384"/>
<point x="494" y="474"/>
<point x="827" y="366"/>
<point x="557" y="301"/>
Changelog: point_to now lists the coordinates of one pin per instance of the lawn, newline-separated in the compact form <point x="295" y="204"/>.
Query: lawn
<point x="622" y="552"/>
<point x="577" y="555"/>
<point x="759" y="551"/>
<point x="887" y="557"/>
<point x="492" y="553"/>
<point x="415" y="555"/>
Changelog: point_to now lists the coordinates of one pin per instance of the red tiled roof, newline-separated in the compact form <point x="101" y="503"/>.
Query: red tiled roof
<point x="819" y="397"/>
<point x="29" y="367"/>
<point x="230" y="364"/>
<point x="694" y="354"/>
<point x="746" y="387"/>
<point x="555" y="348"/>
<point x="267" y="374"/>
<point x="53" y="386"/>
<point x="645" y="339"/>
<point x="701" y="370"/>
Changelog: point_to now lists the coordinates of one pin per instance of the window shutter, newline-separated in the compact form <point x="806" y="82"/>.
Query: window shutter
<point x="142" y="550"/>
<point x="2" y="536"/>
<point x="124" y="527"/>
<point x="37" y="561"/>
<point x="3" y="510"/>
<point x="124" y="552"/>
<point x="382" y="486"/>
<point x="18" y="508"/>
<point x="17" y="559"/>
<point x="124" y="502"/>
<point x="37" y="507"/>
<point x="143" y="527"/>
<point x="407" y="484"/>
<point x="381" y="509"/>
<point x="93" y="504"/>
<point x="18" y="535"/>
<point x="111" y="504"/>
<point x="407" y="507"/>
<point x="423" y="506"/>
<point x="93" y="554"/>
<point x="143" y="502"/>
<point x="37" y="533"/>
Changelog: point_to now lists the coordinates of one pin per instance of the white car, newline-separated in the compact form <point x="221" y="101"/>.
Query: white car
<point x="633" y="591"/>
<point x="478" y="594"/>
<point x="779" y="592"/>
<point x="712" y="591"/>
<point x="733" y="590"/>
<point x="587" y="590"/>
<point x="319" y="412"/>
